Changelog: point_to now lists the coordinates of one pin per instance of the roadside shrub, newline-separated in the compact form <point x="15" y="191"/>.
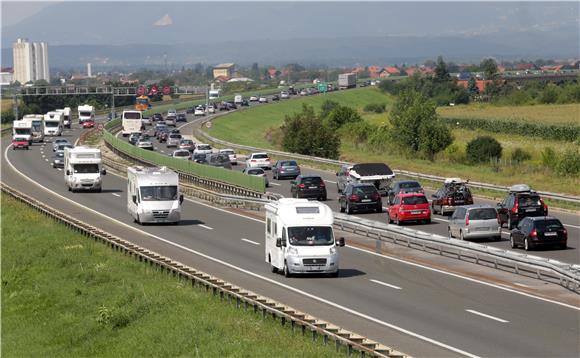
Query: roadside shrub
<point x="549" y="158"/>
<point x="482" y="149"/>
<point x="358" y="132"/>
<point x="454" y="154"/>
<point x="375" y="107"/>
<point x="327" y="107"/>
<point x="550" y="94"/>
<point x="342" y="115"/>
<point x="569" y="165"/>
<point x="434" y="137"/>
<point x="519" y="155"/>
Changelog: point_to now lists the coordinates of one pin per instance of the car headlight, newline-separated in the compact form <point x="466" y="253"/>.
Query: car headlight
<point x="292" y="250"/>
<point x="332" y="250"/>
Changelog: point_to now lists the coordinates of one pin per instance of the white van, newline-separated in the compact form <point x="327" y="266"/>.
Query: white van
<point x="300" y="238"/>
<point x="238" y="99"/>
<point x="153" y="195"/>
<point x="53" y="124"/>
<point x="86" y="113"/>
<point x="83" y="168"/>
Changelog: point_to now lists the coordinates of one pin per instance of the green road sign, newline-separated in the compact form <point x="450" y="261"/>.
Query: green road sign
<point x="322" y="87"/>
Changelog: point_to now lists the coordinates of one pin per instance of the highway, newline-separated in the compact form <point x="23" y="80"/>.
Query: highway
<point x="423" y="312"/>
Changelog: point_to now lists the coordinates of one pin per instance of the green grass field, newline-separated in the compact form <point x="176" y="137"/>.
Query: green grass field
<point x="543" y="113"/>
<point x="64" y="295"/>
<point x="249" y="126"/>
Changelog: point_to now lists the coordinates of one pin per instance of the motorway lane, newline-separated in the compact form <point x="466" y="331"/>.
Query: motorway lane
<point x="439" y="223"/>
<point x="429" y="303"/>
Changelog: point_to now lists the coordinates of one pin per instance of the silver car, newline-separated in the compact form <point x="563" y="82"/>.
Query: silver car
<point x="181" y="154"/>
<point x="144" y="143"/>
<point x="57" y="142"/>
<point x="259" y="172"/>
<point x="474" y="222"/>
<point x="285" y="168"/>
<point x="174" y="139"/>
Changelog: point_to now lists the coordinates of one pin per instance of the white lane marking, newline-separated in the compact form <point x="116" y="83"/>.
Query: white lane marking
<point x="487" y="316"/>
<point x="386" y="284"/>
<point x="115" y="194"/>
<point x="330" y="181"/>
<point x="574" y="226"/>
<point x="250" y="273"/>
<point x="521" y="284"/>
<point x="465" y="278"/>
<point x="44" y="156"/>
<point x="59" y="169"/>
<point x="205" y="226"/>
<point x="46" y="160"/>
<point x="250" y="241"/>
<point x="275" y="184"/>
<point x="439" y="219"/>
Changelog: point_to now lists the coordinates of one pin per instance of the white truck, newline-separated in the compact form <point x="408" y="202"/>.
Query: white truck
<point x="132" y="122"/>
<point x="83" y="169"/>
<point x="214" y="93"/>
<point x="153" y="195"/>
<point x="22" y="130"/>
<point x="300" y="238"/>
<point x="86" y="113"/>
<point x="346" y="80"/>
<point x="66" y="117"/>
<point x="238" y="99"/>
<point x="53" y="124"/>
<point x="36" y="121"/>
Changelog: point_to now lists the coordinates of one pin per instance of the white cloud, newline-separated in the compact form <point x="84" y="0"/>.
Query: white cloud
<point x="164" y="21"/>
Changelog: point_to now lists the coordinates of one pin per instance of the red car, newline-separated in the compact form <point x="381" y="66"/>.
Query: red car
<point x="409" y="207"/>
<point x="88" y="124"/>
<point x="19" y="143"/>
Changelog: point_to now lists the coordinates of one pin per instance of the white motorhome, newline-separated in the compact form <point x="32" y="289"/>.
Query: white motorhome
<point x="86" y="113"/>
<point x="214" y="93"/>
<point x="22" y="129"/>
<point x="66" y="116"/>
<point x="83" y="168"/>
<point x="153" y="195"/>
<point x="36" y="121"/>
<point x="238" y="99"/>
<point x="53" y="124"/>
<point x="300" y="238"/>
<point x="132" y="122"/>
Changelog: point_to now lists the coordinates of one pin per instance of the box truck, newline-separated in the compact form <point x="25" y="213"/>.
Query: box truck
<point x="346" y="80"/>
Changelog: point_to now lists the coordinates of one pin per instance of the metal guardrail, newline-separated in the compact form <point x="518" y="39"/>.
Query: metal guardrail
<point x="566" y="275"/>
<point x="226" y="291"/>
<point x="475" y="184"/>
<point x="219" y="179"/>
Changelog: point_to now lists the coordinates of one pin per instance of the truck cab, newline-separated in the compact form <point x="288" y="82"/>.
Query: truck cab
<point x="300" y="238"/>
<point x="153" y="195"/>
<point x="83" y="169"/>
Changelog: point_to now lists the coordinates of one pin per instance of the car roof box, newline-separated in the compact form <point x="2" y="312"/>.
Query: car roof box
<point x="371" y="169"/>
<point x="520" y="188"/>
<point x="455" y="181"/>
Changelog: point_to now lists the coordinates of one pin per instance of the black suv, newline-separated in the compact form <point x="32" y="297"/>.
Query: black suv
<point x="520" y="202"/>
<point x="406" y="186"/>
<point x="358" y="196"/>
<point x="532" y="232"/>
<point x="308" y="186"/>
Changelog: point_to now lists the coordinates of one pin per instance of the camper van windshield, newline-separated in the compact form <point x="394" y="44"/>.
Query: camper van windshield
<point x="36" y="125"/>
<point x="310" y="235"/>
<point x="159" y="193"/>
<point x="85" y="114"/>
<point x="86" y="168"/>
<point x="132" y="115"/>
<point x="22" y="130"/>
<point x="51" y="124"/>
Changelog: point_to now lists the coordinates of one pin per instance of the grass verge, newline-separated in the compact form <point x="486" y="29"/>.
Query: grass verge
<point x="65" y="295"/>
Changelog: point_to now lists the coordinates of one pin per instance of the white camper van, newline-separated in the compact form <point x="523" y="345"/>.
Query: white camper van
<point x="53" y="124"/>
<point x="214" y="93"/>
<point x="238" y="99"/>
<point x="153" y="195"/>
<point x="83" y="169"/>
<point x="22" y="130"/>
<point x="132" y="122"/>
<point x="66" y="116"/>
<point x="300" y="238"/>
<point x="86" y="113"/>
<point x="37" y="125"/>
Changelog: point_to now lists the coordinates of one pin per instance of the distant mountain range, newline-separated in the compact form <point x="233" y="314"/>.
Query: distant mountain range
<point x="137" y="34"/>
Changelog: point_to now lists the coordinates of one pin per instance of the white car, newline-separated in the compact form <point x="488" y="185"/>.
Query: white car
<point x="231" y="154"/>
<point x="259" y="160"/>
<point x="211" y="109"/>
<point x="263" y="100"/>
<point x="199" y="111"/>
<point x="202" y="149"/>
<point x="172" y="112"/>
<point x="284" y="95"/>
<point x="146" y="121"/>
<point x="254" y="99"/>
<point x="181" y="154"/>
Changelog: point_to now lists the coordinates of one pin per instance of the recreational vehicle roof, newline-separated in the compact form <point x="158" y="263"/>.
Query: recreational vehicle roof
<point x="83" y="155"/>
<point x="152" y="176"/>
<point x="301" y="212"/>
<point x="85" y="107"/>
<point x="52" y="115"/>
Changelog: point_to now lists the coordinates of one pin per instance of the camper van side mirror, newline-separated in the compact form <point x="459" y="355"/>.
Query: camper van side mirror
<point x="341" y="242"/>
<point x="134" y="199"/>
<point x="278" y="242"/>
<point x="181" y="199"/>
<point x="68" y="172"/>
<point x="103" y="172"/>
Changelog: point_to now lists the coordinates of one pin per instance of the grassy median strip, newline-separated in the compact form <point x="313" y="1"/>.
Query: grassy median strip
<point x="64" y="295"/>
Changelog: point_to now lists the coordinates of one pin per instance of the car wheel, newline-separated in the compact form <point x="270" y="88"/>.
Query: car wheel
<point x="433" y="208"/>
<point x="334" y="274"/>
<point x="286" y="270"/>
<point x="509" y="223"/>
<point x="449" y="234"/>
<point x="397" y="221"/>
<point x="461" y="237"/>
<point x="341" y="208"/>
<point x="512" y="242"/>
<point x="273" y="268"/>
<point x="563" y="246"/>
<point x="427" y="221"/>
<point x="527" y="245"/>
<point x="389" y="220"/>
<point x="348" y="208"/>
<point x="324" y="198"/>
<point x="338" y="188"/>
<point x="379" y="209"/>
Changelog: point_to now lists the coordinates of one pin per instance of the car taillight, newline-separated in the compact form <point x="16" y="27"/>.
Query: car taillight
<point x="534" y="233"/>
<point x="301" y="186"/>
<point x="467" y="219"/>
<point x="545" y="207"/>
<point x="253" y="160"/>
<point x="354" y="197"/>
<point x="322" y="185"/>
<point x="515" y="208"/>
<point x="565" y="233"/>
<point x="446" y="201"/>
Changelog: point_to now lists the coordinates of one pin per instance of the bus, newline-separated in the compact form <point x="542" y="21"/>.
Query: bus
<point x="142" y="103"/>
